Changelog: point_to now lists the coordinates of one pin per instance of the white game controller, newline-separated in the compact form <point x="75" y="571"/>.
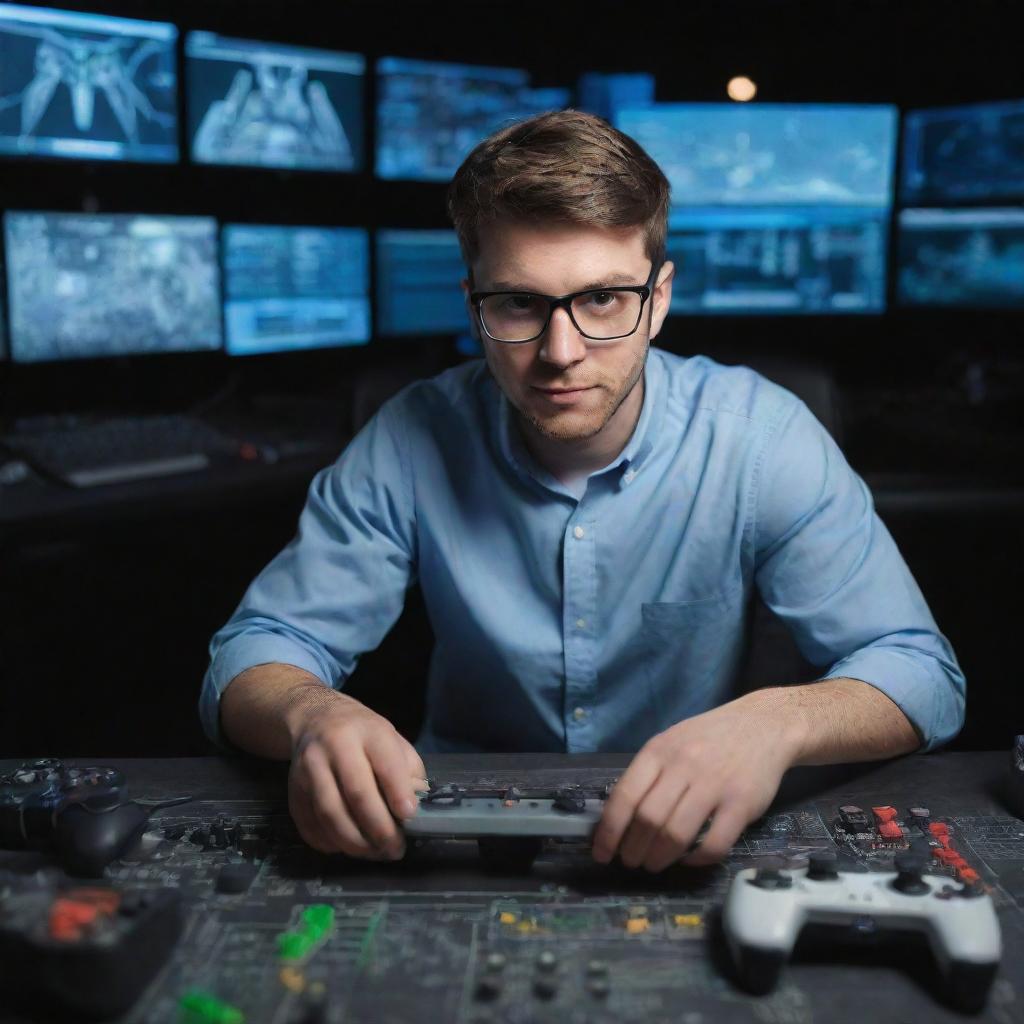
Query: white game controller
<point x="766" y="909"/>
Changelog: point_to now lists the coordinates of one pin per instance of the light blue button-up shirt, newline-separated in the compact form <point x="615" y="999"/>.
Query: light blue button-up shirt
<point x="592" y="620"/>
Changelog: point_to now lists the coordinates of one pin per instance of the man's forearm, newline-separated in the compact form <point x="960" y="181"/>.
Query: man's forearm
<point x="261" y="707"/>
<point x="834" y="721"/>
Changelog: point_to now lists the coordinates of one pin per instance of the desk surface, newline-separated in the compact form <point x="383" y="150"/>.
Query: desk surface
<point x="412" y="941"/>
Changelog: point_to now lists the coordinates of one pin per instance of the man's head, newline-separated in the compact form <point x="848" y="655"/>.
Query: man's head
<point x="557" y="204"/>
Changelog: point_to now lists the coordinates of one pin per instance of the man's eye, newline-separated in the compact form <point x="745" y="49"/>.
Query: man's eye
<point x="518" y="303"/>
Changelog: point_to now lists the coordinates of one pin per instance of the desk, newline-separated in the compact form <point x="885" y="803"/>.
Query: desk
<point x="413" y="941"/>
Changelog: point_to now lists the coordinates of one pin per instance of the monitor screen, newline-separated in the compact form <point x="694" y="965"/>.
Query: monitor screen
<point x="90" y="285"/>
<point x="963" y="153"/>
<point x="258" y="104"/>
<point x="778" y="260"/>
<point x="292" y="288"/>
<point x="418" y="290"/>
<point x="87" y="86"/>
<point x="961" y="257"/>
<point x="717" y="154"/>
<point x="605" y="94"/>
<point x="430" y="115"/>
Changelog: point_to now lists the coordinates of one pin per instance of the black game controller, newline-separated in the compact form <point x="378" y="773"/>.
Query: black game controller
<point x="81" y="813"/>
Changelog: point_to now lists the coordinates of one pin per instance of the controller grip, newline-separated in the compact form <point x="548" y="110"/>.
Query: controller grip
<point x="758" y="969"/>
<point x="89" y="840"/>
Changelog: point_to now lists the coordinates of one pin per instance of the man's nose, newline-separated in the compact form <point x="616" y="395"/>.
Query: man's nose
<point x="562" y="344"/>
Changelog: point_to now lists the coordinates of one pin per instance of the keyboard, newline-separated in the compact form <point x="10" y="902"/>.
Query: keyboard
<point x="119" y="450"/>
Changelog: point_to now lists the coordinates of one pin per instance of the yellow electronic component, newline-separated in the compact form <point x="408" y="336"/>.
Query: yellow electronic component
<point x="637" y="925"/>
<point x="292" y="979"/>
<point x="530" y="927"/>
<point x="507" y="918"/>
<point x="688" y="920"/>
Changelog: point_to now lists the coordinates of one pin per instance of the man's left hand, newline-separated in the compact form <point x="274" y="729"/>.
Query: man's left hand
<point x="725" y="764"/>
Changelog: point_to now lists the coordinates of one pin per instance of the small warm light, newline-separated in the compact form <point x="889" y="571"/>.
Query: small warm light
<point x="741" y="89"/>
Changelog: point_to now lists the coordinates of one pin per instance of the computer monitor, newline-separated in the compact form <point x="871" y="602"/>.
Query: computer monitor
<point x="972" y="258"/>
<point x="259" y="104"/>
<point x="605" y="94"/>
<point x="956" y="154"/>
<point x="291" y="288"/>
<point x="87" y="86"/>
<point x="91" y="285"/>
<point x="431" y="114"/>
<point x="795" y="260"/>
<point x="768" y="154"/>
<point x="418" y="283"/>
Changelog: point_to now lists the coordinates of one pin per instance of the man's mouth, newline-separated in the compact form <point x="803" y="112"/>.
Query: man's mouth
<point x="563" y="396"/>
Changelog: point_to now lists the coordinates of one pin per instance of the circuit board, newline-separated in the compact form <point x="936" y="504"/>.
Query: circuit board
<point x="277" y="933"/>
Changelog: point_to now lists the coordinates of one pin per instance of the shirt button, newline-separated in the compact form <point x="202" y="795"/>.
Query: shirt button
<point x="579" y="533"/>
<point x="628" y="476"/>
<point x="581" y="623"/>
<point x="579" y="714"/>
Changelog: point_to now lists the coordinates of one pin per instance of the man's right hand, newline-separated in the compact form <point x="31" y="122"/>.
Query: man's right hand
<point x="352" y="778"/>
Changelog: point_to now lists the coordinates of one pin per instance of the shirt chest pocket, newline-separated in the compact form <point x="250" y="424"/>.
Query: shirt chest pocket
<point x="693" y="644"/>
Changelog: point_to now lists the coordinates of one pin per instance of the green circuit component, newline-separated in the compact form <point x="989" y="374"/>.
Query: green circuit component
<point x="318" y="919"/>
<point x="294" y="945"/>
<point x="202" y="1008"/>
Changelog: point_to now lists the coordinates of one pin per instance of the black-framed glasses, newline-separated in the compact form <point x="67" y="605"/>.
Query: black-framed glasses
<point x="599" y="314"/>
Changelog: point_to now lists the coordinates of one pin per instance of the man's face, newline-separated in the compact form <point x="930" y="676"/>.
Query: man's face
<point x="567" y="389"/>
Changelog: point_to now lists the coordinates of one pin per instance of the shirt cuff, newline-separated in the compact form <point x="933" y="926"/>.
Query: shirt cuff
<point x="932" y="700"/>
<point x="238" y="654"/>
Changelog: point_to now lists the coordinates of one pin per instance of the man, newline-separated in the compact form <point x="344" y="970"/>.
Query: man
<point x="588" y="520"/>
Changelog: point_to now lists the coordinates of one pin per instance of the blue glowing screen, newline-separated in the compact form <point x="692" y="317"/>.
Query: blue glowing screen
<point x="90" y="285"/>
<point x="717" y="154"/>
<point x="418" y="290"/>
<point x="430" y="115"/>
<point x="778" y="260"/>
<point x="963" y="153"/>
<point x="87" y="86"/>
<point x="263" y="104"/>
<point x="606" y="94"/>
<point x="292" y="288"/>
<point x="961" y="257"/>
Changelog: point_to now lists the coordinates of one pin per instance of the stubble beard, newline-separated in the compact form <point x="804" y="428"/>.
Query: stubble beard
<point x="567" y="428"/>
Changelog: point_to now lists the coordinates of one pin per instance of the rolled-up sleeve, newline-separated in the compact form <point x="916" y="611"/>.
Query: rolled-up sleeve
<point x="828" y="567"/>
<point x="340" y="584"/>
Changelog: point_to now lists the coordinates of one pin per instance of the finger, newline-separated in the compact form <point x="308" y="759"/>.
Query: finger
<point x="618" y="811"/>
<point x="389" y="762"/>
<point x="417" y="769"/>
<point x="729" y="821"/>
<point x="365" y="803"/>
<point x="680" y="830"/>
<point x="333" y="816"/>
<point x="650" y="817"/>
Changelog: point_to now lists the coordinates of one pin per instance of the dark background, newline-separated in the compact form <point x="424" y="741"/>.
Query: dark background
<point x="107" y="604"/>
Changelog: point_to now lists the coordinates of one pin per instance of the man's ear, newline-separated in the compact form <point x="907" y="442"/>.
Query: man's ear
<point x="661" y="297"/>
<point x="474" y="328"/>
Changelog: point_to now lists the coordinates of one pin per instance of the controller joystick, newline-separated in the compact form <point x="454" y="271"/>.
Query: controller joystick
<point x="762" y="922"/>
<point x="822" y="866"/>
<point x="910" y="871"/>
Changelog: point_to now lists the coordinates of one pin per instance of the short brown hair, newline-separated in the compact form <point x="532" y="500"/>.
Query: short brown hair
<point x="564" y="166"/>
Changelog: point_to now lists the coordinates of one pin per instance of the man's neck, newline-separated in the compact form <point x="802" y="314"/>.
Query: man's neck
<point x="570" y="460"/>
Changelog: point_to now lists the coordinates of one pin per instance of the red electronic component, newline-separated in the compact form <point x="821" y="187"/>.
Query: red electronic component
<point x="938" y="829"/>
<point x="883" y="814"/>
<point x="968" y="876"/>
<point x="890" y="830"/>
